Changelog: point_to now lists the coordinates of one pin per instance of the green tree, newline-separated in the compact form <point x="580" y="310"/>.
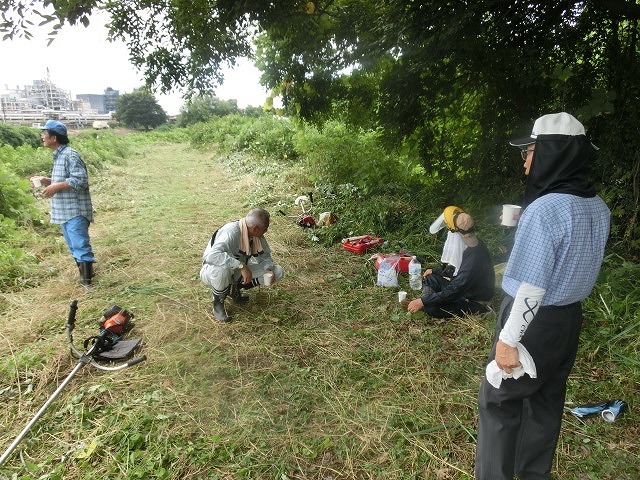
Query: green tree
<point x="140" y="110"/>
<point x="201" y="108"/>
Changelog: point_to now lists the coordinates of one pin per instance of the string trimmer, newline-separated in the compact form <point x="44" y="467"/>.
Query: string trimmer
<point x="96" y="347"/>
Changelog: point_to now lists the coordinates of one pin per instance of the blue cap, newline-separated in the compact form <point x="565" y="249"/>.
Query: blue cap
<point x="55" y="126"/>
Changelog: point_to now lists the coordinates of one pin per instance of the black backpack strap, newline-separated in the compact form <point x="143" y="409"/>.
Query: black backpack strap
<point x="213" y="237"/>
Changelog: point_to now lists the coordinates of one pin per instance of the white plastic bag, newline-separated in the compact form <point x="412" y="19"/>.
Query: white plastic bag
<point x="388" y="273"/>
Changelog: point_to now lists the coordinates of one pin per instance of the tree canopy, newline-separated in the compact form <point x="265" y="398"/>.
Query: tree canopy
<point x="140" y="110"/>
<point x="449" y="80"/>
<point x="202" y="107"/>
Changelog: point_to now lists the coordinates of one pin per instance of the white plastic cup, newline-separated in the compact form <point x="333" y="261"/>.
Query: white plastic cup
<point x="402" y="296"/>
<point x="268" y="279"/>
<point x="510" y="215"/>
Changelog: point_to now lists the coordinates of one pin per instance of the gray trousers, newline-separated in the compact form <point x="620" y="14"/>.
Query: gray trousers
<point x="519" y="423"/>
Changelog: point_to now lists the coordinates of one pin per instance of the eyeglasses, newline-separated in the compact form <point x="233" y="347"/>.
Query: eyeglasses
<point x="524" y="152"/>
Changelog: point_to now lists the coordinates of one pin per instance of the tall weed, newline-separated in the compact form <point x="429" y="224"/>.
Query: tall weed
<point x="16" y="202"/>
<point x="25" y="160"/>
<point x="613" y="311"/>
<point x="97" y="149"/>
<point x="337" y="153"/>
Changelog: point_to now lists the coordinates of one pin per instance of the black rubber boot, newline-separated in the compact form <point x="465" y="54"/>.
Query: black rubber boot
<point x="86" y="273"/>
<point x="236" y="295"/>
<point x="218" y="309"/>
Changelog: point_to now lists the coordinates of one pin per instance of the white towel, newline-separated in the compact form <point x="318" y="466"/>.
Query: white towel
<point x="452" y="250"/>
<point x="495" y="375"/>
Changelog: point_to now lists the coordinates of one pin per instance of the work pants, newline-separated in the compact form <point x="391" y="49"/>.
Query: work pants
<point x="519" y="423"/>
<point x="458" y="307"/>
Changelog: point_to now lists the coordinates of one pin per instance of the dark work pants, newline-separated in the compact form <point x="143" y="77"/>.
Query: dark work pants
<point x="519" y="423"/>
<point x="458" y="307"/>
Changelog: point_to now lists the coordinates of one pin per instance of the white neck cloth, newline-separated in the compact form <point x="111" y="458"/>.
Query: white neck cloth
<point x="453" y="249"/>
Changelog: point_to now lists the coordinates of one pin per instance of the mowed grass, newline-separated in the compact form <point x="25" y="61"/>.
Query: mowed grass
<point x="321" y="376"/>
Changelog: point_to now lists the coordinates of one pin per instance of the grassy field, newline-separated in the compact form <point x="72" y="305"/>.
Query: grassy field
<point x="321" y="376"/>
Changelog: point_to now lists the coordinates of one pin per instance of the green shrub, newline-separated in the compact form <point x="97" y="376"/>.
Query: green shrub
<point x="338" y="153"/>
<point x="25" y="160"/>
<point x="100" y="148"/>
<point x="226" y="133"/>
<point x="14" y="261"/>
<point x="612" y="310"/>
<point x="271" y="138"/>
<point x="16" y="202"/>
<point x="16" y="136"/>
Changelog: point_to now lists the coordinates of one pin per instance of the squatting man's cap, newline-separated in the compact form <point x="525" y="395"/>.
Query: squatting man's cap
<point x="55" y="126"/>
<point x="552" y="124"/>
<point x="456" y="220"/>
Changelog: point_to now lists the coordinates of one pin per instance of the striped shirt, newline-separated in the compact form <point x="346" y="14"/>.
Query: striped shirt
<point x="66" y="204"/>
<point x="559" y="246"/>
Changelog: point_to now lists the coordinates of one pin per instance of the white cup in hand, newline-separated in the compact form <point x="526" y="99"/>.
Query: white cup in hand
<point x="510" y="215"/>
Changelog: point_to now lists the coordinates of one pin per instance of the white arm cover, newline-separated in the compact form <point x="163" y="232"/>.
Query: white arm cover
<point x="524" y="309"/>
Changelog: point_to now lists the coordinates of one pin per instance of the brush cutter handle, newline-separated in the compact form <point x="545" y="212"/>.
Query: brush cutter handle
<point x="71" y="319"/>
<point x="71" y="324"/>
<point x="135" y="361"/>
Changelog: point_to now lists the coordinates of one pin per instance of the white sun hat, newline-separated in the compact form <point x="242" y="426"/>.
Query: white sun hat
<point x="552" y="124"/>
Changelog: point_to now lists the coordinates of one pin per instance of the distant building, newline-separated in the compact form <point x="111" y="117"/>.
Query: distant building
<point x="111" y="99"/>
<point x="102" y="104"/>
<point x="42" y="100"/>
<point x="41" y="94"/>
<point x="95" y="101"/>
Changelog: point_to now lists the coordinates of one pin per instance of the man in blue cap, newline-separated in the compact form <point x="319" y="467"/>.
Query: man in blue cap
<point x="68" y="189"/>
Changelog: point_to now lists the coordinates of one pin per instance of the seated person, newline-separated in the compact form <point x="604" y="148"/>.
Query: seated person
<point x="466" y="277"/>
<point x="226" y="265"/>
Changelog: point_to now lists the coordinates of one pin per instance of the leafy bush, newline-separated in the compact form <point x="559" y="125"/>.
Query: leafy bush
<point x="224" y="133"/>
<point x="16" y="136"/>
<point x="100" y="148"/>
<point x="338" y="153"/>
<point x="613" y="310"/>
<point x="16" y="203"/>
<point x="25" y="160"/>
<point x="202" y="108"/>
<point x="271" y="137"/>
<point x="12" y="266"/>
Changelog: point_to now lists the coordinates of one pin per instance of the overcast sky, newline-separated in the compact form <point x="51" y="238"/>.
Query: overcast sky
<point x="81" y="60"/>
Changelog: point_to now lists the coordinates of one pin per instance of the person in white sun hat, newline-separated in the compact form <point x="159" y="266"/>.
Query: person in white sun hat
<point x="558" y="249"/>
<point x="465" y="281"/>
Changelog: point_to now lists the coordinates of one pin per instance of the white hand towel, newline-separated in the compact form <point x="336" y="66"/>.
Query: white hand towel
<point x="495" y="374"/>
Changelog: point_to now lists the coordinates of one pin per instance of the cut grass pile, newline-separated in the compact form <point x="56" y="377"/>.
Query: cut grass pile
<point x="321" y="376"/>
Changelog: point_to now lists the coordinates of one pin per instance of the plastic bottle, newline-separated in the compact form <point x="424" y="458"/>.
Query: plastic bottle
<point x="415" y="274"/>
